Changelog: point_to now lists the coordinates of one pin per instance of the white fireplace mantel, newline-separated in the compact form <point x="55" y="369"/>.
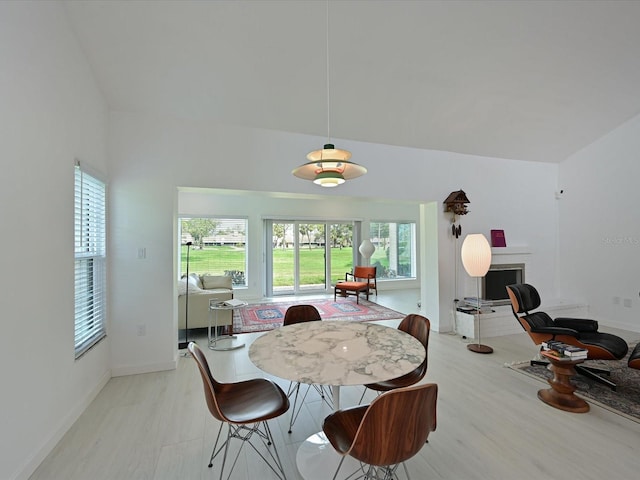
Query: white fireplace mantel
<point x="515" y="250"/>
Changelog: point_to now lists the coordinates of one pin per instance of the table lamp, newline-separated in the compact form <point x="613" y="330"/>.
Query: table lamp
<point x="476" y="259"/>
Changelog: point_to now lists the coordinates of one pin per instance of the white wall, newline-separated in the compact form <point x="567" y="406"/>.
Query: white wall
<point x="152" y="157"/>
<point x="51" y="113"/>
<point x="600" y="227"/>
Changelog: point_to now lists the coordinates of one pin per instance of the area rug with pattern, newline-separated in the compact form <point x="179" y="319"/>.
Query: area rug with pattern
<point x="260" y="317"/>
<point x="625" y="400"/>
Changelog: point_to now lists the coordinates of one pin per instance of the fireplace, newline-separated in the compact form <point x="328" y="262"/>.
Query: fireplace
<point x="497" y="278"/>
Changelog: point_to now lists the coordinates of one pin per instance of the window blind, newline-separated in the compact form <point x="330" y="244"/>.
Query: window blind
<point x="90" y="260"/>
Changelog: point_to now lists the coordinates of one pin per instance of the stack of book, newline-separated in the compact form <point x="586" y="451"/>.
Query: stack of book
<point x="471" y="304"/>
<point x="564" y="351"/>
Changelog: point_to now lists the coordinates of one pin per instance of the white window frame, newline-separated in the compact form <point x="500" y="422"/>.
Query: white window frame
<point x="90" y="260"/>
<point x="394" y="248"/>
<point x="239" y="281"/>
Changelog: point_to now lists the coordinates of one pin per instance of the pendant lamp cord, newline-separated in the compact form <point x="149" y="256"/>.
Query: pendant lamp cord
<point x="328" y="94"/>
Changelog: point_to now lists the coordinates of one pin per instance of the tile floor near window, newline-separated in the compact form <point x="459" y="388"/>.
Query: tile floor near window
<point x="491" y="425"/>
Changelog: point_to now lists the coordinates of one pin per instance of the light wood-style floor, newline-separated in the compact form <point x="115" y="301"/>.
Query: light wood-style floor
<point x="490" y="423"/>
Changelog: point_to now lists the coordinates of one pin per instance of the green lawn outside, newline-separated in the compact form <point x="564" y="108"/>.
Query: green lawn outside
<point x="215" y="260"/>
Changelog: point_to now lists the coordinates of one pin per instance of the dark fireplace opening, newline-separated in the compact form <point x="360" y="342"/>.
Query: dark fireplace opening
<point x="496" y="280"/>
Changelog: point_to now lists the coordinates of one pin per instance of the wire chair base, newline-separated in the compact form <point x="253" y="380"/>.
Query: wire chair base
<point x="372" y="472"/>
<point x="247" y="434"/>
<point x="294" y="389"/>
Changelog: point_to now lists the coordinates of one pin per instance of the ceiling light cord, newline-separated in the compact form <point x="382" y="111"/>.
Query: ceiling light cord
<point x="328" y="90"/>
<point x="329" y="166"/>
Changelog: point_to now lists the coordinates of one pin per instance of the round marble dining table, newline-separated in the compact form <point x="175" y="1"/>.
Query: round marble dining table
<point x="335" y="353"/>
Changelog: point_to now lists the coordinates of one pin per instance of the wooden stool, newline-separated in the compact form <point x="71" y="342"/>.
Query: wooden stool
<point x="561" y="395"/>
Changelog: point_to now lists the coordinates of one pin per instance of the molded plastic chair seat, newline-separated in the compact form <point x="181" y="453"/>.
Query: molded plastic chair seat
<point x="418" y="327"/>
<point x="389" y="431"/>
<point x="300" y="314"/>
<point x="238" y="401"/>
<point x="245" y="408"/>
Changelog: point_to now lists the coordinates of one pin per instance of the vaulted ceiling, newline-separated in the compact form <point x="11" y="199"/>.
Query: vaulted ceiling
<point x="527" y="80"/>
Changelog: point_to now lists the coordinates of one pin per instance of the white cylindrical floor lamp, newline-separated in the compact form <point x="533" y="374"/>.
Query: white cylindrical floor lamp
<point x="476" y="258"/>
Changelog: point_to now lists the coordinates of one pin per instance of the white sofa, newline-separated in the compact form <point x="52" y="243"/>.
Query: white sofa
<point x="203" y="288"/>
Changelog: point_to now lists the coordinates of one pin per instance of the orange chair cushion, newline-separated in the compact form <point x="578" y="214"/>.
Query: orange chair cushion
<point x="352" y="286"/>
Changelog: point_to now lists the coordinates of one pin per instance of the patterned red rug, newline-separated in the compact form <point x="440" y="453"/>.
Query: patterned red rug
<point x="260" y="317"/>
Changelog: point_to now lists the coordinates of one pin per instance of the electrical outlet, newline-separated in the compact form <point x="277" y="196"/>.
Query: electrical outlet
<point x="142" y="330"/>
<point x="142" y="253"/>
<point x="627" y="302"/>
<point x="615" y="300"/>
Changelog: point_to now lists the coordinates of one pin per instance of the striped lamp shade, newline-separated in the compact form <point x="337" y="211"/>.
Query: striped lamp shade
<point x="476" y="255"/>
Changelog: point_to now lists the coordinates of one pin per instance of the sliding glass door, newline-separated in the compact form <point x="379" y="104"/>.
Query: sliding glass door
<point x="282" y="261"/>
<point x="312" y="257"/>
<point x="299" y="256"/>
<point x="341" y="251"/>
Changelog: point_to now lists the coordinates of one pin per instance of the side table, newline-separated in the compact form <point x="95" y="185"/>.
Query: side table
<point x="561" y="395"/>
<point x="214" y="307"/>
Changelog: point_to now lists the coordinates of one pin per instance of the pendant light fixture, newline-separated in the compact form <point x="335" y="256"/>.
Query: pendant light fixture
<point x="330" y="166"/>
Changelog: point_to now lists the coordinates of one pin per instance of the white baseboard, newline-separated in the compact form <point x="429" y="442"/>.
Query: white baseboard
<point x="122" y="371"/>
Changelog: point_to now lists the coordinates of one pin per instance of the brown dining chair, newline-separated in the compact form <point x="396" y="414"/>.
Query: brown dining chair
<point x="418" y="327"/>
<point x="299" y="314"/>
<point x="389" y="431"/>
<point x="245" y="408"/>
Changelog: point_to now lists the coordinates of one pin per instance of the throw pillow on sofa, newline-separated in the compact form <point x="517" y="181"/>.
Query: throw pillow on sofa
<point x="211" y="282"/>
<point x="194" y="284"/>
<point x="195" y="280"/>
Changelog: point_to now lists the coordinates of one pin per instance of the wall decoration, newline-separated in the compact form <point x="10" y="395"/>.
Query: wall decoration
<point x="456" y="203"/>
<point x="498" y="239"/>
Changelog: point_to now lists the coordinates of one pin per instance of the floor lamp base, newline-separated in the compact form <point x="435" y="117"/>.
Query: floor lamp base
<point x="476" y="347"/>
